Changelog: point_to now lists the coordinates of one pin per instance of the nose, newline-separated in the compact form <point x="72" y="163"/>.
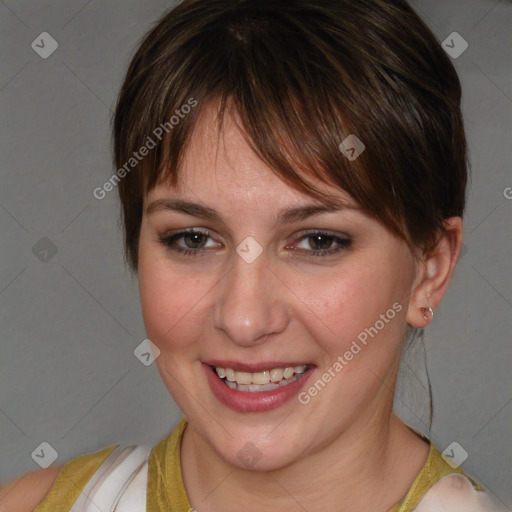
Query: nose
<point x="250" y="303"/>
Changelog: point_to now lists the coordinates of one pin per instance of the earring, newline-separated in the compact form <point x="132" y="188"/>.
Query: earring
<point x="427" y="313"/>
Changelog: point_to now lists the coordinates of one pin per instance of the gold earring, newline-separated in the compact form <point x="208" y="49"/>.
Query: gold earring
<point x="427" y="313"/>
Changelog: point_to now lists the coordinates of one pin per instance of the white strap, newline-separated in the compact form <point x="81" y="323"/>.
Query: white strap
<point x="133" y="499"/>
<point x="119" y="484"/>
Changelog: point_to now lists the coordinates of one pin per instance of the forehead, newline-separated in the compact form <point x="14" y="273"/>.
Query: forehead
<point x="220" y="165"/>
<point x="223" y="158"/>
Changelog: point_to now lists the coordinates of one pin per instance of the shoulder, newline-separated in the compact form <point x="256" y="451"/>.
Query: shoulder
<point x="26" y="492"/>
<point x="456" y="493"/>
<point x="37" y="490"/>
<point x="442" y="487"/>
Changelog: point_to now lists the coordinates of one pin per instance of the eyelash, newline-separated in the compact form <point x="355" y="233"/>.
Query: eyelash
<point x="169" y="241"/>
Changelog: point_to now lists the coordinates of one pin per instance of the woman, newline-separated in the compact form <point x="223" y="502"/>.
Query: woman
<point x="292" y="177"/>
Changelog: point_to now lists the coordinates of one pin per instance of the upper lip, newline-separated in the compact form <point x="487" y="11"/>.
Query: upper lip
<point x="254" y="367"/>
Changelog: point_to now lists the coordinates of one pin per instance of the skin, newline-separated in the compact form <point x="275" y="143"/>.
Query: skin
<point x="26" y="492"/>
<point x="344" y="450"/>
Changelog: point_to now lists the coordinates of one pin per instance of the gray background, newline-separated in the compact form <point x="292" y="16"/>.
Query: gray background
<point x="70" y="324"/>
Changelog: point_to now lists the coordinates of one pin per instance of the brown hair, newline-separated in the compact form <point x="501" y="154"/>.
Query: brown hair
<point x="301" y="75"/>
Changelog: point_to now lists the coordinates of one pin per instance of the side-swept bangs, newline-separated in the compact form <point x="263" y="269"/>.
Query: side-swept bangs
<point x="301" y="76"/>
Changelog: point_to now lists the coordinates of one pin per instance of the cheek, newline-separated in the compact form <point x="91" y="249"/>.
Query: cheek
<point x="345" y="306"/>
<point x="170" y="303"/>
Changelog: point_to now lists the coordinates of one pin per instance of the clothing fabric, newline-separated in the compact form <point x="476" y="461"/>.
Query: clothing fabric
<point x="137" y="479"/>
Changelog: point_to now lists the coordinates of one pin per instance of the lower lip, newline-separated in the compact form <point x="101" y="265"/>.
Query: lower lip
<point x="258" y="401"/>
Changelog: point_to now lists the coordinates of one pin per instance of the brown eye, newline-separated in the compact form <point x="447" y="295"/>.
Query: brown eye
<point x="194" y="240"/>
<point x="190" y="242"/>
<point x="319" y="243"/>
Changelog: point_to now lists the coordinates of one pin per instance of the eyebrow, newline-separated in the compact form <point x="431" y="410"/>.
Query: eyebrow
<point x="288" y="215"/>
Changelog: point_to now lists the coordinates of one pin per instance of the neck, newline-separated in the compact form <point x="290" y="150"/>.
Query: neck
<point x="372" y="463"/>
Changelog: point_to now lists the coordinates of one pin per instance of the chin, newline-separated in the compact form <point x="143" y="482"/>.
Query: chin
<point x="247" y="455"/>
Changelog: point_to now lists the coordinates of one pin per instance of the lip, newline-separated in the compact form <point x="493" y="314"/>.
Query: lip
<point x="254" y="367"/>
<point x="245" y="401"/>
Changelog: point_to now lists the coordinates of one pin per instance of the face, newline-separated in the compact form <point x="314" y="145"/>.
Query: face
<point x="328" y="291"/>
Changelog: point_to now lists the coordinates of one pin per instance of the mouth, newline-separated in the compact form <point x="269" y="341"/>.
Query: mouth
<point x="257" y="382"/>
<point x="256" y="388"/>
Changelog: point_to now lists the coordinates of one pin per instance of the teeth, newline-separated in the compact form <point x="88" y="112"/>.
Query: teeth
<point x="288" y="373"/>
<point x="268" y="378"/>
<point x="266" y="387"/>
<point x="243" y="378"/>
<point x="276" y="374"/>
<point x="260" y="378"/>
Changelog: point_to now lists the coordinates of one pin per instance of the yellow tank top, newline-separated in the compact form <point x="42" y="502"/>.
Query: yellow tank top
<point x="165" y="489"/>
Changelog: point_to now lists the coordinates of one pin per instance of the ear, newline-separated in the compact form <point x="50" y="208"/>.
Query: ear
<point x="434" y="273"/>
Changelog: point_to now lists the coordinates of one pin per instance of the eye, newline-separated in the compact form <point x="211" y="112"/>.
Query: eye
<point x="194" y="241"/>
<point x="321" y="243"/>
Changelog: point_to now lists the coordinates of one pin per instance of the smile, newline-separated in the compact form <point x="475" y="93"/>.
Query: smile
<point x="256" y="391"/>
<point x="266" y="380"/>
